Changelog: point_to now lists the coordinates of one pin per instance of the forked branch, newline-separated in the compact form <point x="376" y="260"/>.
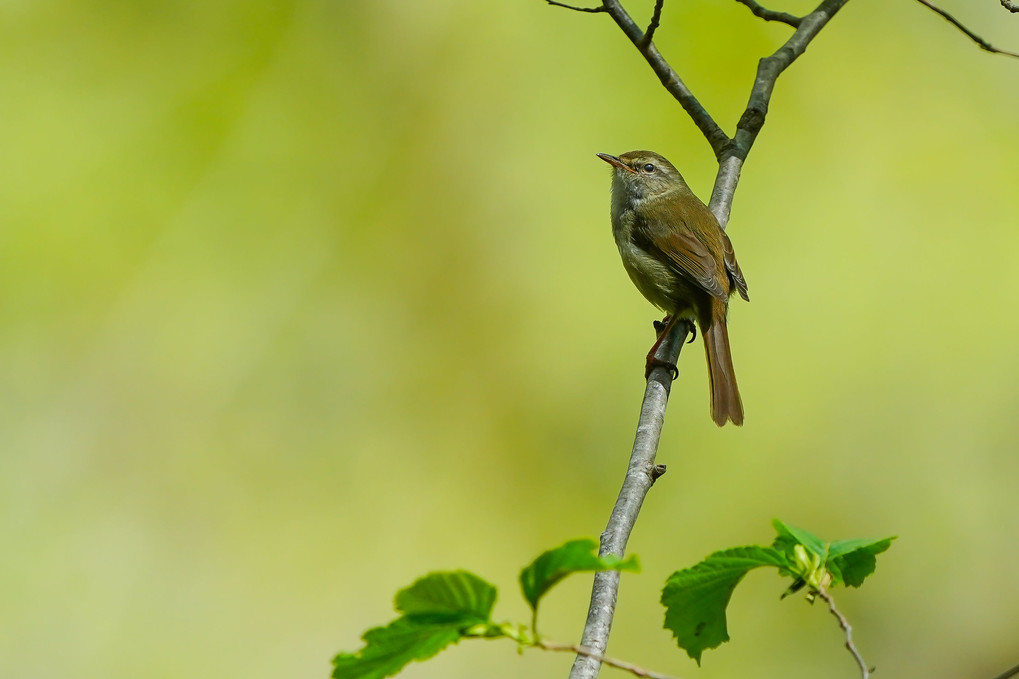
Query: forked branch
<point x="731" y="153"/>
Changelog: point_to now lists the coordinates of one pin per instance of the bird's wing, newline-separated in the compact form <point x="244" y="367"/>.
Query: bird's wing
<point x="677" y="245"/>
<point x="732" y="266"/>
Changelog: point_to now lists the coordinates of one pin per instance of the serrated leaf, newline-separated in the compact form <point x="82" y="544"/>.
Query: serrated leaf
<point x="388" y="649"/>
<point x="856" y="559"/>
<point x="695" y="598"/>
<point x="456" y="593"/>
<point x="555" y="564"/>
<point x="847" y="561"/>
<point x="439" y="609"/>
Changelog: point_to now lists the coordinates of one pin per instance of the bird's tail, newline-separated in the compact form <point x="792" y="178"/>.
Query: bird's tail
<point x="725" y="401"/>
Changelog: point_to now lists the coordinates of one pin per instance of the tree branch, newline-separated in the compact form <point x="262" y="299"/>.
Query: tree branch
<point x="592" y="10"/>
<point x="984" y="45"/>
<point x="769" y="69"/>
<point x="1008" y="674"/>
<point x="731" y="153"/>
<point x="672" y="82"/>
<point x="656" y="19"/>
<point x="611" y="662"/>
<point x="844" y="624"/>
<point x="771" y="15"/>
<point x="1010" y="6"/>
<point x="641" y="473"/>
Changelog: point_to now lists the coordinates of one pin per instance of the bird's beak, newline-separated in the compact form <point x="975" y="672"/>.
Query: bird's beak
<point x="614" y="160"/>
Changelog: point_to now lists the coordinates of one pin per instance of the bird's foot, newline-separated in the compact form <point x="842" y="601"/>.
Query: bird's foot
<point x="691" y="328"/>
<point x="655" y="362"/>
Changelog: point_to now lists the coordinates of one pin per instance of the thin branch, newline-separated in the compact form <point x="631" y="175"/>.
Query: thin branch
<point x="656" y="20"/>
<point x="1008" y="674"/>
<point x="730" y="163"/>
<point x="670" y="79"/>
<point x="984" y="45"/>
<point x="772" y="15"/>
<point x="844" y="624"/>
<point x="1010" y="6"/>
<point x="731" y="153"/>
<point x="611" y="662"/>
<point x="641" y="474"/>
<point x="592" y="10"/>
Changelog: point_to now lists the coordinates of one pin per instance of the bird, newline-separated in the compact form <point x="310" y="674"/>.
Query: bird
<point x="682" y="261"/>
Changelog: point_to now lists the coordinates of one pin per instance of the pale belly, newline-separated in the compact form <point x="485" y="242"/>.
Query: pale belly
<point x="656" y="282"/>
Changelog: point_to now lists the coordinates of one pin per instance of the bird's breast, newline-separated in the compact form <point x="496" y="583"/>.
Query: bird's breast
<point x="659" y="285"/>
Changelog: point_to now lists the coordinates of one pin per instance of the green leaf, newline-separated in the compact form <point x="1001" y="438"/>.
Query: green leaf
<point x="695" y="598"/>
<point x="439" y="609"/>
<point x="789" y="536"/>
<point x="856" y="559"/>
<point x="847" y="561"/>
<point x="388" y="649"/>
<point x="555" y="564"/>
<point x="457" y="593"/>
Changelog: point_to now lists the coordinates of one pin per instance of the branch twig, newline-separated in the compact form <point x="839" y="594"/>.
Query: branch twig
<point x="844" y="624"/>
<point x="611" y="662"/>
<point x="1008" y="674"/>
<point x="592" y="10"/>
<point x="984" y="45"/>
<point x="1010" y="6"/>
<point x="731" y="153"/>
<point x="772" y="15"/>
<point x="656" y="20"/>
<point x="730" y="163"/>
<point x="670" y="79"/>
<point x="641" y="473"/>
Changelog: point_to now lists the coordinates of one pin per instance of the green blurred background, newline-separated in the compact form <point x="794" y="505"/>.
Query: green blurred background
<point x="301" y="300"/>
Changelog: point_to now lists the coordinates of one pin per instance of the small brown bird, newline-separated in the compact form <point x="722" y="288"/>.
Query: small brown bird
<point x="681" y="261"/>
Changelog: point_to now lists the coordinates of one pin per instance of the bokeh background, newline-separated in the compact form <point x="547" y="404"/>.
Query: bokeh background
<point x="302" y="300"/>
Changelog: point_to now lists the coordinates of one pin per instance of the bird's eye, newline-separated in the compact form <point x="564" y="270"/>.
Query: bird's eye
<point x="649" y="168"/>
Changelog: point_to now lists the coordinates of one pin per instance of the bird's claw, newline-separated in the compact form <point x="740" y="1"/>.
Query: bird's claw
<point x="659" y="363"/>
<point x="691" y="328"/>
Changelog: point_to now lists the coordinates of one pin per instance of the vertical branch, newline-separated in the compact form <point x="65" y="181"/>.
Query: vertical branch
<point x="641" y="473"/>
<point x="731" y="153"/>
